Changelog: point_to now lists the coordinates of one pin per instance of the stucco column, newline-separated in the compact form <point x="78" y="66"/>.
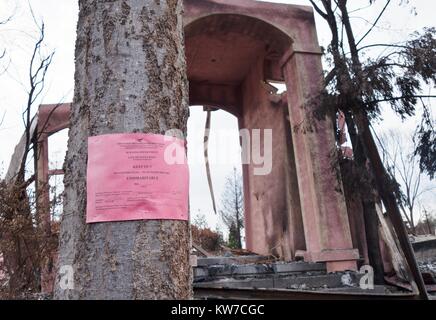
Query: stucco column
<point x="326" y="225"/>
<point x="42" y="182"/>
<point x="43" y="204"/>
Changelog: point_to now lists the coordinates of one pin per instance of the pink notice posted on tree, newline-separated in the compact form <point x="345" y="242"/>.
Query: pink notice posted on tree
<point x="136" y="176"/>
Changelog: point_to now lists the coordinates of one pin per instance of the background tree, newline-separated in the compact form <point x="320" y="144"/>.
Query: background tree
<point x="24" y="241"/>
<point x="3" y="65"/>
<point x="427" y="223"/>
<point x="130" y="77"/>
<point x="359" y="86"/>
<point x="232" y="208"/>
<point x="200" y="221"/>
<point x="403" y="165"/>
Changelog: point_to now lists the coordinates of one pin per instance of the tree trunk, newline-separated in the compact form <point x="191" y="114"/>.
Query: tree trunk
<point x="368" y="202"/>
<point x="388" y="197"/>
<point x="130" y="77"/>
<point x="373" y="239"/>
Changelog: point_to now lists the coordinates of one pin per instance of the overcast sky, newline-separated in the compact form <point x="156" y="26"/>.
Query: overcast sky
<point x="60" y="17"/>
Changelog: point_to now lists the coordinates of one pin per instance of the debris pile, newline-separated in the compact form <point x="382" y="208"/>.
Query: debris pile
<point x="259" y="272"/>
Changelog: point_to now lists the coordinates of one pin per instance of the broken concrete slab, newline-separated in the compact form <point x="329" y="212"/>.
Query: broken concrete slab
<point x="425" y="249"/>
<point x="326" y="281"/>
<point x="236" y="270"/>
<point x="299" y="267"/>
<point x="231" y="260"/>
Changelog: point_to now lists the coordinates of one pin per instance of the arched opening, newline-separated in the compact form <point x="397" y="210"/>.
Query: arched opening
<point x="221" y="50"/>
<point x="57" y="150"/>
<point x="231" y="60"/>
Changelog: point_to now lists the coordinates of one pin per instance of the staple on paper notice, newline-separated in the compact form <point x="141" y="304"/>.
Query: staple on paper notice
<point x="136" y="176"/>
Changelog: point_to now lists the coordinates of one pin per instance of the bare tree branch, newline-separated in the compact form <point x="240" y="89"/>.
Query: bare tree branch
<point x="7" y="19"/>
<point x="37" y="72"/>
<point x="3" y="54"/>
<point x="382" y="45"/>
<point x="402" y="165"/>
<point x="232" y="207"/>
<point x="400" y="98"/>
<point x="375" y="23"/>
<point x="318" y="9"/>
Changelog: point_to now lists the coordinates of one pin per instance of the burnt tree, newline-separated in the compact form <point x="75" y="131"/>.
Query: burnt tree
<point x="359" y="87"/>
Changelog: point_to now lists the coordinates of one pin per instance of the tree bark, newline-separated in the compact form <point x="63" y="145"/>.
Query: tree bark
<point x="130" y="77"/>
<point x="368" y="203"/>
<point x="373" y="239"/>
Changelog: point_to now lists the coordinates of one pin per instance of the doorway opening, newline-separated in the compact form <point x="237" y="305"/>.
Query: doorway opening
<point x="216" y="189"/>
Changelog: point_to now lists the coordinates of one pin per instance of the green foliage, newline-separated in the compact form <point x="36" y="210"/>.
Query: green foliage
<point x="397" y="77"/>
<point x="232" y="208"/>
<point x="233" y="242"/>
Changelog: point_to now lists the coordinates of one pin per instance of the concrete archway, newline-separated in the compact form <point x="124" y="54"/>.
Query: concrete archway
<point x="232" y="48"/>
<point x="221" y="50"/>
<point x="228" y="59"/>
